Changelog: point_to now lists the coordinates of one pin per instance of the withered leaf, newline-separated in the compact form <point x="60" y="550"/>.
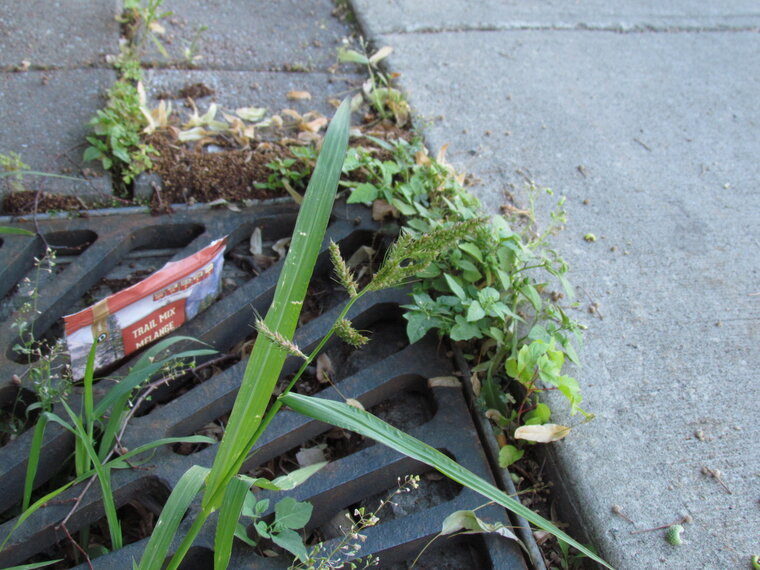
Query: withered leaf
<point x="545" y="433"/>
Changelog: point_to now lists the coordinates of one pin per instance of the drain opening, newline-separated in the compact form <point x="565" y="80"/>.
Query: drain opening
<point x="341" y="365"/>
<point x="15" y="418"/>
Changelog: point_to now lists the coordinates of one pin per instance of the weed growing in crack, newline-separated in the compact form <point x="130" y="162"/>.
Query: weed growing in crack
<point x="489" y="289"/>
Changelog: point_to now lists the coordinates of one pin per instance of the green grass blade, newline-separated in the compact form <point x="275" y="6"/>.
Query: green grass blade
<point x="104" y="477"/>
<point x="361" y="422"/>
<point x="16" y="231"/>
<point x="229" y="514"/>
<point x="119" y="462"/>
<point x="266" y="360"/>
<point x="168" y="523"/>
<point x="33" y="461"/>
<point x="88" y="419"/>
<point x="108" y="438"/>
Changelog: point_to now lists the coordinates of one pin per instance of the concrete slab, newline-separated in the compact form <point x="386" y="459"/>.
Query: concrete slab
<point x="262" y="36"/>
<point x="235" y="89"/>
<point x="399" y="16"/>
<point x="654" y="139"/>
<point x="44" y="117"/>
<point x="64" y="33"/>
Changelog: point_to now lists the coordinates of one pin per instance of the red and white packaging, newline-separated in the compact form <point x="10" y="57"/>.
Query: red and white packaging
<point x="146" y="311"/>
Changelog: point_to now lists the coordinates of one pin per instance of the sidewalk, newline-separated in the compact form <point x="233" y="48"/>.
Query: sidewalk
<point x="647" y="120"/>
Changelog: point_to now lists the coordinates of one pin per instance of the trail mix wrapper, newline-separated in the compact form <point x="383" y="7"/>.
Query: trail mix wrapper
<point x="146" y="311"/>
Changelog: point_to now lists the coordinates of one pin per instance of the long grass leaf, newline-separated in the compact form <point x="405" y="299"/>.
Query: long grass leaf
<point x="120" y="461"/>
<point x="108" y="437"/>
<point x="89" y="373"/>
<point x="34" y="460"/>
<point x="16" y="231"/>
<point x="229" y="513"/>
<point x="104" y="477"/>
<point x="266" y="360"/>
<point x="364" y="423"/>
<point x="168" y="523"/>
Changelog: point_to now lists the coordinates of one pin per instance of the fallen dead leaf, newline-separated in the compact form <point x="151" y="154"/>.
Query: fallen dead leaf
<point x="443" y="382"/>
<point x="545" y="433"/>
<point x="299" y="95"/>
<point x="382" y="209"/>
<point x="324" y="368"/>
<point x="280" y="247"/>
<point x="380" y="54"/>
<point x="475" y="383"/>
<point x="255" y="243"/>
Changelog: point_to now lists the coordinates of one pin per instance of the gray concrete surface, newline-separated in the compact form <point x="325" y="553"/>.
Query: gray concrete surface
<point x="288" y="35"/>
<point x="44" y="117"/>
<point x="653" y="137"/>
<point x="59" y="34"/>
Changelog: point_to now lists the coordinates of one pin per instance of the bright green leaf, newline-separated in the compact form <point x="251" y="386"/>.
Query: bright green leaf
<point x="290" y="513"/>
<point x="475" y="312"/>
<point x="291" y="541"/>
<point x="508" y="455"/>
<point x="363" y="194"/>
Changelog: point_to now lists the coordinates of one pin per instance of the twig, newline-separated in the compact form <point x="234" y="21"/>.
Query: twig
<point x="718" y="476"/>
<point x="77" y="546"/>
<point x="684" y="519"/>
<point x="647" y="147"/>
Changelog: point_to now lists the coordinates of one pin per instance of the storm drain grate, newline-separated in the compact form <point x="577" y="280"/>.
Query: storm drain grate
<point x="389" y="377"/>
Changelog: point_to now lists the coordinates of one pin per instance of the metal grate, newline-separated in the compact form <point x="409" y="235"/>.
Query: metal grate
<point x="99" y="245"/>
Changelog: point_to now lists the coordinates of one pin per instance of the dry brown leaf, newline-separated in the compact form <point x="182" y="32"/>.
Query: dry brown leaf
<point x="280" y="247"/>
<point x="494" y="415"/>
<point x="545" y="433"/>
<point x="422" y="157"/>
<point x="297" y="198"/>
<point x="299" y="95"/>
<point x="314" y="125"/>
<point x="292" y="113"/>
<point x="324" y="369"/>
<point x="382" y="209"/>
<point x="310" y="456"/>
<point x="475" y="383"/>
<point x="443" y="382"/>
<point x="255" y="243"/>
<point x="354" y="403"/>
<point x="264" y="261"/>
<point x="362" y="254"/>
<point x="380" y="54"/>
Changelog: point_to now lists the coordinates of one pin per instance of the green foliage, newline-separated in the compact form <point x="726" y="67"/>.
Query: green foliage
<point x="97" y="430"/>
<point x="489" y="287"/>
<point x="117" y="129"/>
<point x="508" y="455"/>
<point x="291" y="173"/>
<point x="289" y="516"/>
<point x="116" y="140"/>
<point x="378" y="89"/>
<point x="250" y="416"/>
